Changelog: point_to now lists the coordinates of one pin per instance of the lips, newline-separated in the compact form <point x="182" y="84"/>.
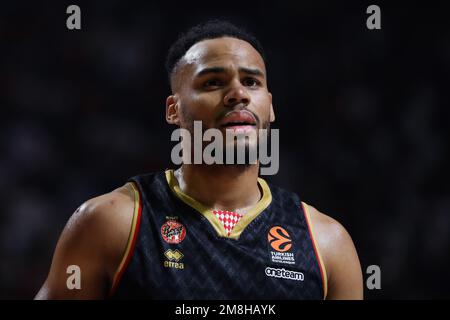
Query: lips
<point x="236" y="119"/>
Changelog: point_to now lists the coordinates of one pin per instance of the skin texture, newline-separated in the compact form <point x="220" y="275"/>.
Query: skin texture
<point x="214" y="77"/>
<point x="344" y="275"/>
<point x="238" y="83"/>
<point x="95" y="239"/>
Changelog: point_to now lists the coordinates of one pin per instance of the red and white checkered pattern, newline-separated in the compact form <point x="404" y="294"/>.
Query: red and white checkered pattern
<point x="228" y="219"/>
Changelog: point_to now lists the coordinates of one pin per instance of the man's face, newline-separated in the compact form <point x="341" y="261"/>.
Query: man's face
<point x="221" y="82"/>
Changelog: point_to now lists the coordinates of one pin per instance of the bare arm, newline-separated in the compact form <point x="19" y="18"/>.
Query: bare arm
<point x="94" y="239"/>
<point x="341" y="260"/>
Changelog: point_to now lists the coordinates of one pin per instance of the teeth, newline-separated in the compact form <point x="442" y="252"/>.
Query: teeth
<point x="237" y="123"/>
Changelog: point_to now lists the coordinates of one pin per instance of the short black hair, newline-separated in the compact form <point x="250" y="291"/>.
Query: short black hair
<point x="209" y="30"/>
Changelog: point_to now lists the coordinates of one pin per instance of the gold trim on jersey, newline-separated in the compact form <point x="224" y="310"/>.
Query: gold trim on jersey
<point x="317" y="249"/>
<point x="131" y="237"/>
<point x="258" y="208"/>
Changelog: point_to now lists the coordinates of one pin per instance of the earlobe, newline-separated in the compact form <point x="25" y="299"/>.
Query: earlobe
<point x="272" y="113"/>
<point x="172" y="110"/>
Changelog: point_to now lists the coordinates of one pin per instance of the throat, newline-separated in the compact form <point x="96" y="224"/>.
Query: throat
<point x="220" y="187"/>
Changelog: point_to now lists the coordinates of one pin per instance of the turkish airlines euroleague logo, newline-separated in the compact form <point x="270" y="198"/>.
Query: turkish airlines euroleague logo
<point x="279" y="239"/>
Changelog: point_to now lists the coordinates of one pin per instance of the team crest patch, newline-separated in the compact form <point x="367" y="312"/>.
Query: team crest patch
<point x="280" y="244"/>
<point x="172" y="231"/>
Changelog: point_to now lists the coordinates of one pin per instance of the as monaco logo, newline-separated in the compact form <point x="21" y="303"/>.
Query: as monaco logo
<point x="173" y="232"/>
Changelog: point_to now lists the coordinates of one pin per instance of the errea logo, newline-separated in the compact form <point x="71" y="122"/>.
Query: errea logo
<point x="173" y="259"/>
<point x="174" y="255"/>
<point x="285" y="274"/>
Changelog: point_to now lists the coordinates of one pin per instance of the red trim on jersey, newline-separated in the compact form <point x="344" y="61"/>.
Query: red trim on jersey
<point x="133" y="244"/>
<point x="316" y="252"/>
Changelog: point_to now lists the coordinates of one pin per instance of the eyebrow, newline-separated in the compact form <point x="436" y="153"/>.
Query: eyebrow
<point x="255" y="72"/>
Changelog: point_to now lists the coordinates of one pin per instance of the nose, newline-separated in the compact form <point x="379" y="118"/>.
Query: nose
<point x="236" y="95"/>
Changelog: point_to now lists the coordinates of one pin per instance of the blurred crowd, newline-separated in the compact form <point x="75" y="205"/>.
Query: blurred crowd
<point x="362" y="117"/>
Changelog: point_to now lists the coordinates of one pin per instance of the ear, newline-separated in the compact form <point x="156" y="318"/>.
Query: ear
<point x="272" y="113"/>
<point x="172" y="115"/>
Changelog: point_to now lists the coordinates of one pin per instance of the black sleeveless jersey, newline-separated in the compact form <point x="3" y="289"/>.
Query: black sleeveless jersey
<point x="178" y="249"/>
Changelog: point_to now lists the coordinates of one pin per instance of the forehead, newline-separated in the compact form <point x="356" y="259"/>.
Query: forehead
<point x="223" y="52"/>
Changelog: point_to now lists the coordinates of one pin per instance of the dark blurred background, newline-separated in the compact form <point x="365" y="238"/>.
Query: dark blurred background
<point x="363" y="118"/>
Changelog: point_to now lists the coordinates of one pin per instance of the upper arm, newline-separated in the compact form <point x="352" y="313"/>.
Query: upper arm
<point x="93" y="239"/>
<point x="344" y="275"/>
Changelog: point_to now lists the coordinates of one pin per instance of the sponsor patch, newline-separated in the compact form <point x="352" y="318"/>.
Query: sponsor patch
<point x="173" y="259"/>
<point x="285" y="274"/>
<point x="280" y="245"/>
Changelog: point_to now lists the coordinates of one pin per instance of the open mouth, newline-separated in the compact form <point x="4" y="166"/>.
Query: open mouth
<point x="239" y="120"/>
<point x="238" y="124"/>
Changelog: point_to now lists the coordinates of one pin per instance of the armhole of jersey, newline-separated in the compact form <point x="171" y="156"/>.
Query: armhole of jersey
<point x="131" y="242"/>
<point x="322" y="268"/>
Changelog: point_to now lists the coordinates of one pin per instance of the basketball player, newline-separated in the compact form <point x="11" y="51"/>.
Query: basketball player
<point x="206" y="231"/>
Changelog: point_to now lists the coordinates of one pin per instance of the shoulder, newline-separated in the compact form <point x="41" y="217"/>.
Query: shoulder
<point x="328" y="232"/>
<point x="335" y="247"/>
<point x="110" y="208"/>
<point x="110" y="214"/>
<point x="100" y="227"/>
<point x="94" y="239"/>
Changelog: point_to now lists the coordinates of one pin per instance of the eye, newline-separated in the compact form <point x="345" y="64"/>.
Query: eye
<point x="251" y="82"/>
<point x="212" y="83"/>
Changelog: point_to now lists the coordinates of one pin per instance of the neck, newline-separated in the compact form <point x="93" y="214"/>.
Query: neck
<point x="221" y="187"/>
